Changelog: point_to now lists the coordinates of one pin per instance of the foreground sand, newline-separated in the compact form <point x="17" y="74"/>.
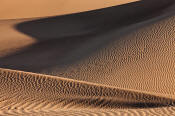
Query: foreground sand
<point x="24" y="93"/>
<point x="112" y="61"/>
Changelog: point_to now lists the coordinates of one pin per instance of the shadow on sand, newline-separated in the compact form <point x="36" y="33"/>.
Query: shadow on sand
<point x="68" y="39"/>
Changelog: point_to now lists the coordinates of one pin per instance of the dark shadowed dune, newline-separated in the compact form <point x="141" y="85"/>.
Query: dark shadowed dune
<point x="72" y="38"/>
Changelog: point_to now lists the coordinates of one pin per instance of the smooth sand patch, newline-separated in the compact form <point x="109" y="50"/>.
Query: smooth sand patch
<point x="40" y="8"/>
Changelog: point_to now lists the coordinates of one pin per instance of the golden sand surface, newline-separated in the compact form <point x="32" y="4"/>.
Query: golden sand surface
<point x="111" y="61"/>
<point x="40" y="8"/>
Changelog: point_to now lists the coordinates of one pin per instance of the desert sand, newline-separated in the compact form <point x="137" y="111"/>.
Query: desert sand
<point x="110" y="58"/>
<point x="41" y="8"/>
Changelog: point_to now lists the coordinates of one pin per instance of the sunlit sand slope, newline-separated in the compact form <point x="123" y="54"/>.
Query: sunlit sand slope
<point x="39" y="8"/>
<point x="22" y="91"/>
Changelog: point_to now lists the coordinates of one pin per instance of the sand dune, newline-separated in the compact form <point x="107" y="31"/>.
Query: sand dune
<point x="40" y="8"/>
<point x="131" y="112"/>
<point x="112" y="61"/>
<point x="32" y="92"/>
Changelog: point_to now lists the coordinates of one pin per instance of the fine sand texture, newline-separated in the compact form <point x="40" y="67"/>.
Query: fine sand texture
<point x="105" y="58"/>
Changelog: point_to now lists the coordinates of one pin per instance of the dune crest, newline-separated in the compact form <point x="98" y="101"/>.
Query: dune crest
<point x="29" y="91"/>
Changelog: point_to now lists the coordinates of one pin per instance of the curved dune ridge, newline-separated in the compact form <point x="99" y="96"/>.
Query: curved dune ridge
<point x="112" y="61"/>
<point x="30" y="92"/>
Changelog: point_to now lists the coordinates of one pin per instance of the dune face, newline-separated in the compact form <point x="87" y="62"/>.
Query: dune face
<point x="111" y="61"/>
<point x="40" y="8"/>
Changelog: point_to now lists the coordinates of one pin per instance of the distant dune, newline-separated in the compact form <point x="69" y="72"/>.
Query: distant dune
<point x="106" y="61"/>
<point x="40" y="8"/>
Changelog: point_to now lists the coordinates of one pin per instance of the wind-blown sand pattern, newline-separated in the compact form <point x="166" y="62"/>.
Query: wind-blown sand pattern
<point x="111" y="61"/>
